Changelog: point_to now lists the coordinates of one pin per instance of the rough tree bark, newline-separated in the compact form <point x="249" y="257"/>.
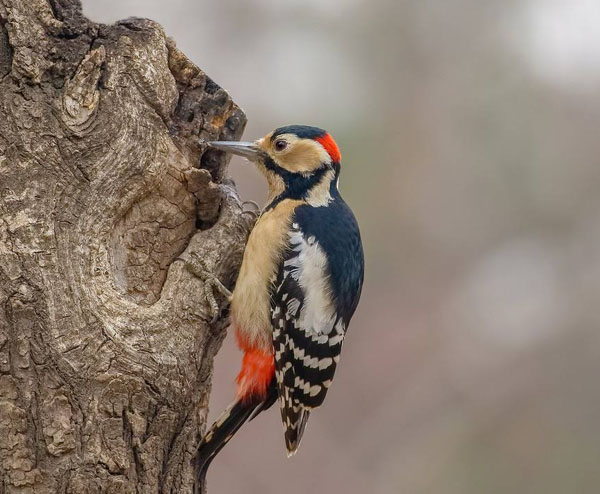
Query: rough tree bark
<point x="106" y="339"/>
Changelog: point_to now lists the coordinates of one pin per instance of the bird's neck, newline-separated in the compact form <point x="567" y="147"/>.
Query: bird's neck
<point x="317" y="189"/>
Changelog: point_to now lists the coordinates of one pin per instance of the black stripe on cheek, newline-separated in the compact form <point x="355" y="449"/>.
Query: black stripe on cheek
<point x="297" y="186"/>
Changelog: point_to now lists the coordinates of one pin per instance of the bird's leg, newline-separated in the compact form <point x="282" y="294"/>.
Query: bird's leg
<point x="196" y="265"/>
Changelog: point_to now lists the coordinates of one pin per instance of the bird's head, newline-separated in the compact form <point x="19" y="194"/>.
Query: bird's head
<point x="294" y="159"/>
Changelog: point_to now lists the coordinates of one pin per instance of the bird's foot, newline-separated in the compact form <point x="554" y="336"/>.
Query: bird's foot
<point x="197" y="266"/>
<point x="255" y="212"/>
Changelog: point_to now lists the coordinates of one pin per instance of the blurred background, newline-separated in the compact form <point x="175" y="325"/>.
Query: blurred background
<point x="470" y="134"/>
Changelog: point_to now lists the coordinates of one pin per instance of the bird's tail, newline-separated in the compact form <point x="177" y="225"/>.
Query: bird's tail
<point x="224" y="428"/>
<point x="219" y="434"/>
<point x="294" y="417"/>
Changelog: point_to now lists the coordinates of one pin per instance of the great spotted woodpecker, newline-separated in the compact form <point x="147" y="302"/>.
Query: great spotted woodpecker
<point x="298" y="287"/>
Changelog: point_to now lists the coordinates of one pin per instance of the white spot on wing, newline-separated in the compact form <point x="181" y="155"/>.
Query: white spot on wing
<point x="315" y="390"/>
<point x="292" y="307"/>
<point x="324" y="363"/>
<point x="335" y="339"/>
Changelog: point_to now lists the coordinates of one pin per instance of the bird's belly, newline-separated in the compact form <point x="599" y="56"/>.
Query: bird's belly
<point x="250" y="309"/>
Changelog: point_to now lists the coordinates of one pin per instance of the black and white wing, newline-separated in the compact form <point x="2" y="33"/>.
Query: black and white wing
<point x="308" y="332"/>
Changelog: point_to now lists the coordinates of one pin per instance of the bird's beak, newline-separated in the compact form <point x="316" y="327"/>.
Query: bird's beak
<point x="248" y="150"/>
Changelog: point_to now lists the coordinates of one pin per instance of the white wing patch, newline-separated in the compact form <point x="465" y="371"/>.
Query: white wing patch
<point x="309" y="268"/>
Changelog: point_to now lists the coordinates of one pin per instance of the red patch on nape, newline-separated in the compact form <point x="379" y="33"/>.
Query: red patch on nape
<point x="331" y="147"/>
<point x="258" y="368"/>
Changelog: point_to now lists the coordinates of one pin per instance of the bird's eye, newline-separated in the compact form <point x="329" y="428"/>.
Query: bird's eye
<point x="280" y="145"/>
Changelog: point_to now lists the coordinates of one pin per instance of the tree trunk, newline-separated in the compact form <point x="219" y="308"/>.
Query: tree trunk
<point x="106" y="339"/>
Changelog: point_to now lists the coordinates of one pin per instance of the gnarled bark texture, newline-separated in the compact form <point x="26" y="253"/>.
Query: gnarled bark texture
<point x="106" y="339"/>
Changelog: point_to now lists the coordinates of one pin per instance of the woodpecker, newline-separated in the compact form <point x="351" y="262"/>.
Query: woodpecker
<point x="298" y="286"/>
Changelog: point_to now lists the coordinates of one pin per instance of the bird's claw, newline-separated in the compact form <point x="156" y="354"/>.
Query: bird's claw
<point x="255" y="213"/>
<point x="197" y="266"/>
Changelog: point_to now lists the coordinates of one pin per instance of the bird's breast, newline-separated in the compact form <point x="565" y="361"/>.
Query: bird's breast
<point x="250" y="305"/>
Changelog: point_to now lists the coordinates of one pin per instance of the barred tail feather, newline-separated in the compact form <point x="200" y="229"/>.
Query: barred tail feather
<point x="224" y="428"/>
<point x="217" y="437"/>
<point x="294" y="418"/>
